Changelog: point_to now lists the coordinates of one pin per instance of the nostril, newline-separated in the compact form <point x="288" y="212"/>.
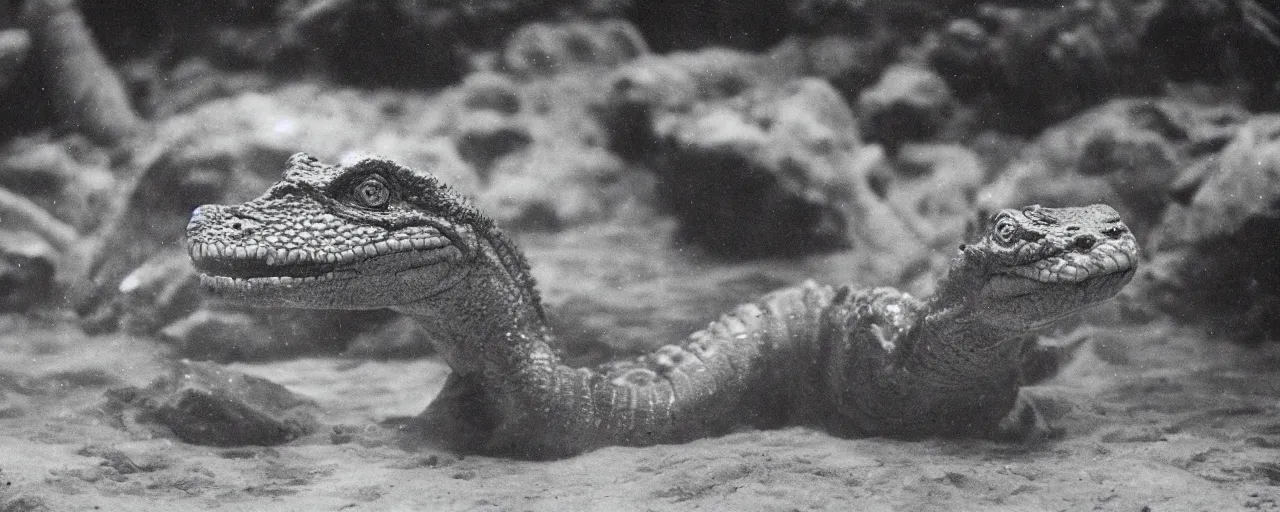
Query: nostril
<point x="242" y="224"/>
<point x="1086" y="242"/>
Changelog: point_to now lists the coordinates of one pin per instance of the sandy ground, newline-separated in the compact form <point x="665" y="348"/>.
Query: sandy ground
<point x="1157" y="417"/>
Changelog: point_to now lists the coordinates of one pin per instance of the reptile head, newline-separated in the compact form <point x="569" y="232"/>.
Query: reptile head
<point x="1037" y="264"/>
<point x="369" y="235"/>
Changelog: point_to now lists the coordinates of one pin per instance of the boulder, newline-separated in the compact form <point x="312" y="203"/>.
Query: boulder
<point x="763" y="173"/>
<point x="1030" y="66"/>
<point x="644" y="90"/>
<point x="1217" y="257"/>
<point x="544" y="48"/>
<point x="1128" y="153"/>
<point x="205" y="404"/>
<point x="27" y="267"/>
<point x="909" y="103"/>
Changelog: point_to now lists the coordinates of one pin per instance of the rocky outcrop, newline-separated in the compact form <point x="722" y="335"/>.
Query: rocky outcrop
<point x="547" y="48"/>
<point x="763" y="173"/>
<point x="205" y="404"/>
<point x="1128" y="153"/>
<point x="1218" y="254"/>
<point x="909" y="103"/>
<point x="1028" y="67"/>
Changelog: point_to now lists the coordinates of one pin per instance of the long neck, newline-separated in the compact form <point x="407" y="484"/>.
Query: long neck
<point x="490" y="329"/>
<point x="957" y="336"/>
<point x="497" y="299"/>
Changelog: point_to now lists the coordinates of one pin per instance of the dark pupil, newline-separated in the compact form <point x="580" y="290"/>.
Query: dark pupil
<point x="372" y="192"/>
<point x="1006" y="231"/>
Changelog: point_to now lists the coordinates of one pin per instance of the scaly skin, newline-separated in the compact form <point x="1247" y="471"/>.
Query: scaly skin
<point x="858" y="363"/>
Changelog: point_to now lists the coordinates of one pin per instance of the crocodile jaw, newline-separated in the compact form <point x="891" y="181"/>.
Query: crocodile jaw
<point x="1037" y="293"/>
<point x="362" y="268"/>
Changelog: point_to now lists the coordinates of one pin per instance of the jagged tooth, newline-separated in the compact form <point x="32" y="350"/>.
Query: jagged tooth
<point x="294" y="256"/>
<point x="261" y="252"/>
<point x="281" y="255"/>
<point x="239" y="253"/>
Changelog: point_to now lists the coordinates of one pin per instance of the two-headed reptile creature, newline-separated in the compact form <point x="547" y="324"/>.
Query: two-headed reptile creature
<point x="875" y="362"/>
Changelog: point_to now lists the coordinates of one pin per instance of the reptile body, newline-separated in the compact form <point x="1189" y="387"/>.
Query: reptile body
<point x="857" y="363"/>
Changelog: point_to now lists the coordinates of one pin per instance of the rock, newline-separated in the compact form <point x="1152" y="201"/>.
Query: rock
<point x="851" y="62"/>
<point x="642" y="91"/>
<point x="1219" y="255"/>
<point x="490" y="91"/>
<point x="15" y="44"/>
<point x="27" y="267"/>
<point x="1128" y="153"/>
<point x="483" y="137"/>
<point x="205" y="404"/>
<point x="68" y="176"/>
<point x="1231" y="45"/>
<point x="909" y="103"/>
<point x="551" y="188"/>
<point x="163" y="288"/>
<point x="86" y="94"/>
<point x="399" y="44"/>
<point x="763" y="173"/>
<point x="851" y="43"/>
<point x="1033" y="66"/>
<point x="934" y="188"/>
<point x="549" y="48"/>
<point x="966" y="58"/>
<point x="162" y="93"/>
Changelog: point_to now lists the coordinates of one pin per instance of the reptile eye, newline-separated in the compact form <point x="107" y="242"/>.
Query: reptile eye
<point x="372" y="193"/>
<point x="1006" y="230"/>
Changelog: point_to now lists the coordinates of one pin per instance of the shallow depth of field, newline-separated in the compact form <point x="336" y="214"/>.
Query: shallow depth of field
<point x="659" y="163"/>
